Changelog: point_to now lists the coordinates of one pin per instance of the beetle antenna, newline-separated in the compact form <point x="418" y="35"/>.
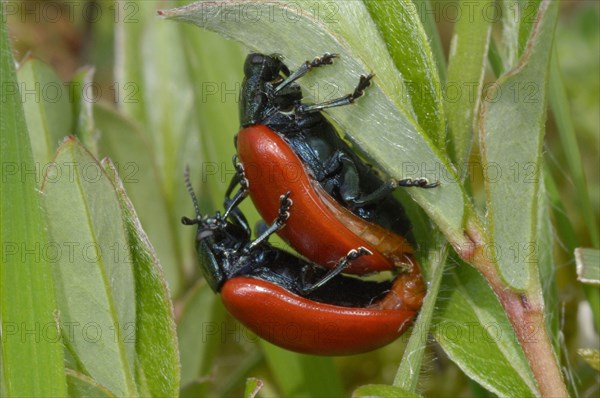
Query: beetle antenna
<point x="190" y="189"/>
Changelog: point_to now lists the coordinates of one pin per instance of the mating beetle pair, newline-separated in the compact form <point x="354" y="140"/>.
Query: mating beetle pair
<point x="292" y="302"/>
<point x="331" y="223"/>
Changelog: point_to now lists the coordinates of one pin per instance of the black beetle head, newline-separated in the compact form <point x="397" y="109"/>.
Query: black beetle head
<point x="264" y="67"/>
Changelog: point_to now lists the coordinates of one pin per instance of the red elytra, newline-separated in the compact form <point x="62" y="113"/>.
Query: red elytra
<point x="319" y="228"/>
<point x="310" y="327"/>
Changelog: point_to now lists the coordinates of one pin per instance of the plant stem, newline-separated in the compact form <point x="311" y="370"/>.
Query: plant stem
<point x="525" y="311"/>
<point x="527" y="320"/>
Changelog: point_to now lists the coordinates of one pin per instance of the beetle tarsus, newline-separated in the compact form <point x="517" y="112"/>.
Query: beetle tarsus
<point x="285" y="203"/>
<point x="241" y="173"/>
<point x="342" y="264"/>
<point x="231" y="204"/>
<point x="325" y="59"/>
<point x="284" y="208"/>
<point x="364" y="82"/>
<point x="418" y="182"/>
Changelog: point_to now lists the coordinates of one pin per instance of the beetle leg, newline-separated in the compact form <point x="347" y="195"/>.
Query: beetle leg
<point x="419" y="182"/>
<point x="235" y="180"/>
<point x="387" y="188"/>
<point x="285" y="203"/>
<point x="235" y="215"/>
<point x="260" y="227"/>
<point x="325" y="59"/>
<point x="349" y="188"/>
<point x="332" y="165"/>
<point x="380" y="193"/>
<point x="232" y="204"/>
<point x="364" y="82"/>
<point x="240" y="179"/>
<point x="340" y="266"/>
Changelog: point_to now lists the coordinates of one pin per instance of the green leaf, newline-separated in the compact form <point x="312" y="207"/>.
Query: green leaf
<point x="123" y="141"/>
<point x="32" y="350"/>
<point x="253" y="386"/>
<point x="527" y="18"/>
<point x="383" y="123"/>
<point x="547" y="268"/>
<point x="512" y="132"/>
<point x="402" y="32"/>
<point x="129" y="60"/>
<point x="299" y="375"/>
<point x="495" y="59"/>
<point x="510" y="34"/>
<point x="82" y="102"/>
<point x="474" y="331"/>
<point x="466" y="67"/>
<point x="93" y="274"/>
<point x="47" y="109"/>
<point x="156" y="339"/>
<point x="166" y="102"/>
<point x="81" y="385"/>
<point x="408" y="373"/>
<point x="429" y="24"/>
<point x="165" y="107"/>
<point x="588" y="265"/>
<point x="382" y="391"/>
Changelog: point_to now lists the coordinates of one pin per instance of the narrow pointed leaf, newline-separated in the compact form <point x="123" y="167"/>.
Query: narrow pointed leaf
<point x="155" y="336"/>
<point x="401" y="29"/>
<point x="164" y="105"/>
<point x="510" y="34"/>
<point x="527" y="19"/>
<point x="407" y="376"/>
<point x="46" y="101"/>
<point x="82" y="103"/>
<point x="127" y="146"/>
<point x="547" y="268"/>
<point x="512" y="131"/>
<point x="429" y="24"/>
<point x="466" y="67"/>
<point x="94" y="276"/>
<point x="474" y="331"/>
<point x="32" y="351"/>
<point x="129" y="62"/>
